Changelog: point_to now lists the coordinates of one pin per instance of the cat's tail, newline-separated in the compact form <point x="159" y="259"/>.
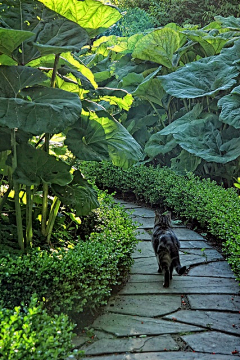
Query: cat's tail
<point x="180" y="269"/>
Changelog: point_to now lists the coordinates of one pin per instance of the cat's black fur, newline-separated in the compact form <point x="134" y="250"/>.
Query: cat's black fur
<point x="166" y="247"/>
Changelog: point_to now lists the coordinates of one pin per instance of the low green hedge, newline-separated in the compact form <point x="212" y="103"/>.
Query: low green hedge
<point x="215" y="208"/>
<point x="29" y="333"/>
<point x="74" y="277"/>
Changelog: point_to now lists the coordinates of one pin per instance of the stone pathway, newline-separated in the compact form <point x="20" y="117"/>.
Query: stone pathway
<point x="196" y="318"/>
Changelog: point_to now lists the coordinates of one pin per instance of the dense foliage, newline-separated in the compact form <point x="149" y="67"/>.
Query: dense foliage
<point x="185" y="86"/>
<point x="182" y="12"/>
<point x="30" y="333"/>
<point x="46" y="91"/>
<point x="216" y="209"/>
<point x="76" y="273"/>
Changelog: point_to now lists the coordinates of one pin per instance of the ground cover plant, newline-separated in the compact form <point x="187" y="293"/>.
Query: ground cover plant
<point x="183" y="85"/>
<point x="216" y="209"/>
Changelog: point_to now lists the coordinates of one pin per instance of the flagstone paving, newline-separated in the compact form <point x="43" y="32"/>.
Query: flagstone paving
<point x="196" y="318"/>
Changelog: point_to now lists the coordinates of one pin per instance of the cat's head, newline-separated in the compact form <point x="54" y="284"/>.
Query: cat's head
<point x="163" y="219"/>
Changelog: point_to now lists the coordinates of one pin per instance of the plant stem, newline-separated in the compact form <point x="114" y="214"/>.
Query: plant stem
<point x="29" y="206"/>
<point x="52" y="217"/>
<point x="154" y="107"/>
<point x="16" y="192"/>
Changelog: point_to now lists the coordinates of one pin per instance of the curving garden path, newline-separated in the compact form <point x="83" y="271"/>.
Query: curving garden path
<point x="197" y="317"/>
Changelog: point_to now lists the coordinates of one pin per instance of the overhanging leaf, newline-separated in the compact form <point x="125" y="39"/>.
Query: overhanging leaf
<point x="35" y="166"/>
<point x="230" y="105"/>
<point x="103" y="139"/>
<point x="52" y="32"/>
<point x="92" y="15"/>
<point x="11" y="39"/>
<point x="40" y="110"/>
<point x="200" y="78"/>
<point x="158" y="46"/>
<point x="78" y="195"/>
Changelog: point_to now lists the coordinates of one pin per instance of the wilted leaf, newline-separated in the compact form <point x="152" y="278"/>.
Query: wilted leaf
<point x="78" y="195"/>
<point x="200" y="78"/>
<point x="35" y="166"/>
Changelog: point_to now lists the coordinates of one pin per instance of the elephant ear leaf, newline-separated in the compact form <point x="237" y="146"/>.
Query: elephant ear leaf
<point x="78" y="195"/>
<point x="35" y="166"/>
<point x="92" y="15"/>
<point x="11" y="39"/>
<point x="158" y="46"/>
<point x="103" y="138"/>
<point x="200" y="78"/>
<point x="230" y="105"/>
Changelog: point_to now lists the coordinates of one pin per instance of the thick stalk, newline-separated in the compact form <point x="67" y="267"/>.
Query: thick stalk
<point x="46" y="148"/>
<point x="154" y="107"/>
<point x="16" y="192"/>
<point x="52" y="217"/>
<point x="29" y="206"/>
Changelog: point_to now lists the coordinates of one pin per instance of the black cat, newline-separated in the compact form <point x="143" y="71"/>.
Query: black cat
<point x="166" y="247"/>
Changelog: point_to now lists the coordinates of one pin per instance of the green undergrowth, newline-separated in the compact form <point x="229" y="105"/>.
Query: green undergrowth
<point x="30" y="333"/>
<point x="216" y="209"/>
<point x="70" y="278"/>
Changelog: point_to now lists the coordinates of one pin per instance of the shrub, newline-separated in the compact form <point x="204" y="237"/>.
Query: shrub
<point x="215" y="208"/>
<point x="29" y="333"/>
<point x="76" y="276"/>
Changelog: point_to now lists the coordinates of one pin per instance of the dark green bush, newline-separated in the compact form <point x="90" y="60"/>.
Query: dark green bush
<point x="73" y="277"/>
<point x="215" y="208"/>
<point x="29" y="333"/>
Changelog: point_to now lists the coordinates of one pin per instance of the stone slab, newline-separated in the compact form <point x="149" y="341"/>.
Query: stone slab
<point x="123" y="345"/>
<point x="144" y="223"/>
<point x="142" y="234"/>
<point x="148" y="265"/>
<point x="143" y="249"/>
<point x="219" y="268"/>
<point x="214" y="320"/>
<point x="207" y="254"/>
<point x="152" y="284"/>
<point x="197" y="244"/>
<point x="167" y="355"/>
<point x="127" y="325"/>
<point x="187" y="234"/>
<point x="215" y="302"/>
<point x="144" y="305"/>
<point x="213" y="342"/>
<point x="143" y="212"/>
<point x="126" y="204"/>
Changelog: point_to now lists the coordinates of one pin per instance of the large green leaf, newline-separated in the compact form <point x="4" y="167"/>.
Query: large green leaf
<point x="11" y="39"/>
<point x="205" y="139"/>
<point x="40" y="110"/>
<point x="52" y="32"/>
<point x="230" y="105"/>
<point x="211" y="45"/>
<point x="230" y="22"/>
<point x="92" y="15"/>
<point x="158" y="46"/>
<point x="205" y="77"/>
<point x="230" y="55"/>
<point x="159" y="144"/>
<point x="181" y="123"/>
<point x="13" y="79"/>
<point x="185" y="162"/>
<point x="103" y="139"/>
<point x="78" y="195"/>
<point x="35" y="166"/>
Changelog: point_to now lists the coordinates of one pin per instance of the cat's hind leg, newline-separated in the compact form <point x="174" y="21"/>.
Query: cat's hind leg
<point x="166" y="278"/>
<point x="159" y="265"/>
